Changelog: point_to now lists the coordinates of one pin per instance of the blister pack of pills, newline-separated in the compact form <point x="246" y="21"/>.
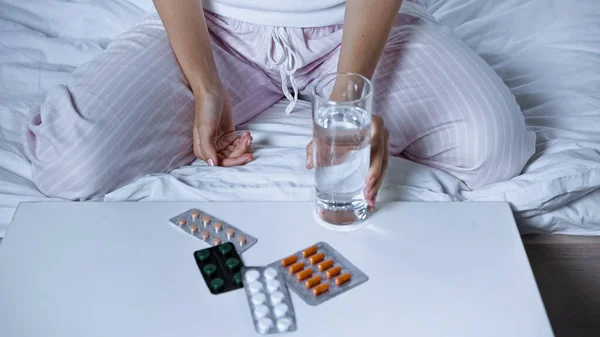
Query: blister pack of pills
<point x="319" y="273"/>
<point x="212" y="230"/>
<point x="221" y="268"/>
<point x="269" y="300"/>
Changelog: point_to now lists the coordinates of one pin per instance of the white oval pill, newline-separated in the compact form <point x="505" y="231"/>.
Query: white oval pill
<point x="258" y="298"/>
<point x="252" y="275"/>
<point x="272" y="285"/>
<point x="264" y="324"/>
<point x="261" y="311"/>
<point x="255" y="287"/>
<point x="270" y="273"/>
<point x="280" y="309"/>
<point x="276" y="297"/>
<point x="284" y="323"/>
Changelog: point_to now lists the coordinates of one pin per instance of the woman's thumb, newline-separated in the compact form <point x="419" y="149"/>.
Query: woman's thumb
<point x="206" y="145"/>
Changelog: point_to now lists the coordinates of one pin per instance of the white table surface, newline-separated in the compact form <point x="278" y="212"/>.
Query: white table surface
<point x="121" y="269"/>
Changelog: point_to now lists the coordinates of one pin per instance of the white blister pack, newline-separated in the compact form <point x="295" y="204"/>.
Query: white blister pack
<point x="269" y="300"/>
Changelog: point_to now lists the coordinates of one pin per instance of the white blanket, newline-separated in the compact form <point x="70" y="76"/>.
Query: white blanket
<point x="548" y="53"/>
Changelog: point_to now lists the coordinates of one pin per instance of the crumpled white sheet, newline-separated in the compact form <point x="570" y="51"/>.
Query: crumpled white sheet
<point x="531" y="44"/>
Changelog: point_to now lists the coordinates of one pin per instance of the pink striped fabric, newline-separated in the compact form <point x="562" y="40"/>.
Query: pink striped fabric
<point x="129" y="112"/>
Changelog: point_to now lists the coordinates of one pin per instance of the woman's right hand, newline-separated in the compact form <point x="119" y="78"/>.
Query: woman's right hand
<point x="215" y="139"/>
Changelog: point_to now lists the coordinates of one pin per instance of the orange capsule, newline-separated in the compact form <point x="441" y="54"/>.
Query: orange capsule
<point x="333" y="272"/>
<point x="309" y="251"/>
<point x="193" y="228"/>
<point x="320" y="289"/>
<point x="289" y="260"/>
<point x="313" y="282"/>
<point x="342" y="279"/>
<point x="303" y="275"/>
<point x="217" y="241"/>
<point x="325" y="265"/>
<point x="205" y="235"/>
<point x="218" y="226"/>
<point x="195" y="214"/>
<point x="242" y="240"/>
<point x="296" y="268"/>
<point x="181" y="222"/>
<point x="205" y="220"/>
<point x="317" y="258"/>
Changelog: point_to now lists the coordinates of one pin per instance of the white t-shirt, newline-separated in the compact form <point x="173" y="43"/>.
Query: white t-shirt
<point x="284" y="13"/>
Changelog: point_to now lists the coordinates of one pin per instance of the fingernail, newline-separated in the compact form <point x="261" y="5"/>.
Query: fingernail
<point x="211" y="162"/>
<point x="248" y="142"/>
<point x="247" y="161"/>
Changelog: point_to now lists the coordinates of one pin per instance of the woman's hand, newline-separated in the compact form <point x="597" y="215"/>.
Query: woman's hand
<point x="215" y="140"/>
<point x="379" y="159"/>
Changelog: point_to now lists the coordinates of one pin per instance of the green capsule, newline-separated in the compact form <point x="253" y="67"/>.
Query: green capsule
<point x="203" y="255"/>
<point x="210" y="269"/>
<point x="232" y="263"/>
<point x="237" y="279"/>
<point x="225" y="248"/>
<point x="217" y="284"/>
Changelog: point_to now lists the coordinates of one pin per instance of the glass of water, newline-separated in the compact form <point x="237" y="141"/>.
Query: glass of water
<point x="341" y="109"/>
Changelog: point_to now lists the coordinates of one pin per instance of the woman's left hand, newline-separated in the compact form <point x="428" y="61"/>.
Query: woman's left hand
<point x="379" y="159"/>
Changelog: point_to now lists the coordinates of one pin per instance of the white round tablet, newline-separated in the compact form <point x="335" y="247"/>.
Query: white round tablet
<point x="283" y="324"/>
<point x="261" y="311"/>
<point x="264" y="324"/>
<point x="272" y="285"/>
<point x="258" y="298"/>
<point x="252" y="275"/>
<point x="270" y="273"/>
<point x="280" y="309"/>
<point x="255" y="287"/>
<point x="276" y="297"/>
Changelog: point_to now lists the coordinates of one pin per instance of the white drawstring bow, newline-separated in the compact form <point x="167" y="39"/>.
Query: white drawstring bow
<point x="287" y="62"/>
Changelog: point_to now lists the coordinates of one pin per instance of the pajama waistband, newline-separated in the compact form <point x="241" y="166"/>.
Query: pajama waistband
<point x="289" y="48"/>
<point x="286" y="50"/>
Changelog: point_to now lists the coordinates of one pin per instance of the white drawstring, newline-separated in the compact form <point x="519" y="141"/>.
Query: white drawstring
<point x="287" y="62"/>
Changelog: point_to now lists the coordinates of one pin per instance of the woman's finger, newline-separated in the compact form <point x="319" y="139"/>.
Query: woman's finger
<point x="204" y="147"/>
<point x="309" y="155"/>
<point x="373" y="180"/>
<point x="378" y="150"/>
<point x="236" y="141"/>
<point x="384" y="164"/>
<point x="242" y="147"/>
<point x="196" y="143"/>
<point x="237" y="161"/>
<point x="224" y="153"/>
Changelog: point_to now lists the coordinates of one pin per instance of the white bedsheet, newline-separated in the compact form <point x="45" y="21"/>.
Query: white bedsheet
<point x="547" y="52"/>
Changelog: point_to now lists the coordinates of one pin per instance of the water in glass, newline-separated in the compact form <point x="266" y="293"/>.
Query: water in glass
<point x="341" y="156"/>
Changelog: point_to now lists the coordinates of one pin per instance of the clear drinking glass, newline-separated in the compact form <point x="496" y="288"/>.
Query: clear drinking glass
<point x="341" y="148"/>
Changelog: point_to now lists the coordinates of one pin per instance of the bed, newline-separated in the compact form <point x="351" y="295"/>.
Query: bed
<point x="547" y="52"/>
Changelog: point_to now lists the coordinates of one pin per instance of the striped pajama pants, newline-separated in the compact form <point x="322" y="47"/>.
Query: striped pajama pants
<point x="130" y="111"/>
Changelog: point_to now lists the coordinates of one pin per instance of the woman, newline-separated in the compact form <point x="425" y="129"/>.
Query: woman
<point x="163" y="94"/>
